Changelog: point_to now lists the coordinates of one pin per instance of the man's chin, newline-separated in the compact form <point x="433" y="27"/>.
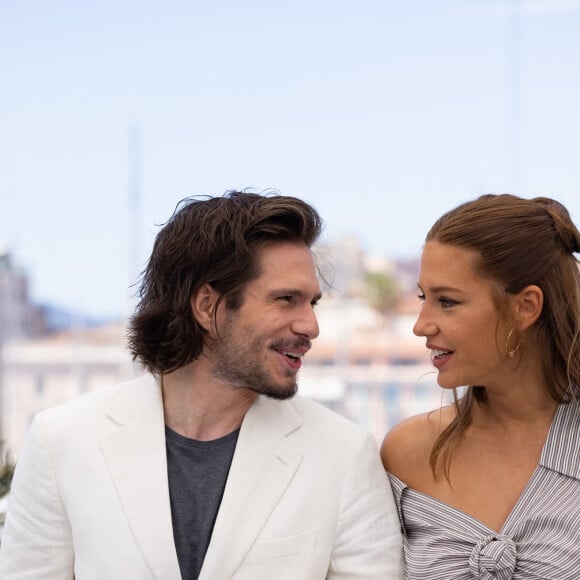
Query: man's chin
<point x="277" y="392"/>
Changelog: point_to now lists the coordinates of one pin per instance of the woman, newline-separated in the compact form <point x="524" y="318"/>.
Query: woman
<point x="489" y="488"/>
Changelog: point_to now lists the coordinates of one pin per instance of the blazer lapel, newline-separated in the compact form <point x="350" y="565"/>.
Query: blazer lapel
<point x="133" y="444"/>
<point x="262" y="467"/>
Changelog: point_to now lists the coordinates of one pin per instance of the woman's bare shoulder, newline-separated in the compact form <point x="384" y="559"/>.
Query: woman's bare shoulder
<point x="406" y="448"/>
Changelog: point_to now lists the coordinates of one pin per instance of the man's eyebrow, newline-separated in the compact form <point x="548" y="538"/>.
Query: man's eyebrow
<point x="277" y="292"/>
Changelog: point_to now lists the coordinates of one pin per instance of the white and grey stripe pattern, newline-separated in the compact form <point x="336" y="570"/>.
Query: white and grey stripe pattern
<point x="540" y="540"/>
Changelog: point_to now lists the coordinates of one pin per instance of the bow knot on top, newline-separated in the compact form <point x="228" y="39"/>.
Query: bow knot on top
<point x="493" y="558"/>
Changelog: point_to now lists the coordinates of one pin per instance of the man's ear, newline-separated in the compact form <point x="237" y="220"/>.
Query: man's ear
<point x="528" y="306"/>
<point x="203" y="304"/>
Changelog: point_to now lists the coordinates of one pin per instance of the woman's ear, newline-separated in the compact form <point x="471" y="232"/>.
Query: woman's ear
<point x="203" y="304"/>
<point x="528" y="306"/>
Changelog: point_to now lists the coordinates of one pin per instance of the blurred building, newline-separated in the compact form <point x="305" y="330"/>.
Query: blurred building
<point x="43" y="372"/>
<point x="371" y="370"/>
<point x="19" y="318"/>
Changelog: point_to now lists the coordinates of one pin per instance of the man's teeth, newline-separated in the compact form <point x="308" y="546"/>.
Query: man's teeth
<point x="293" y="354"/>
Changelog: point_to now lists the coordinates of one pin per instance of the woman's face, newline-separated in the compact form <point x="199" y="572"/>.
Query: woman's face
<point x="458" y="318"/>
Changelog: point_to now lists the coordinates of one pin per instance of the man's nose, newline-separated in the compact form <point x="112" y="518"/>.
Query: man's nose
<point x="306" y="323"/>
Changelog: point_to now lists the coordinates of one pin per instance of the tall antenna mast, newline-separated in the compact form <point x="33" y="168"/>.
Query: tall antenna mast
<point x="134" y="209"/>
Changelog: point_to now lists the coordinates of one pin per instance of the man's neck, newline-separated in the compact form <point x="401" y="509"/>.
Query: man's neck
<point x="199" y="407"/>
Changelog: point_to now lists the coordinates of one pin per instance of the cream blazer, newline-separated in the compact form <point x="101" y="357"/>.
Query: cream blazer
<point x="306" y="497"/>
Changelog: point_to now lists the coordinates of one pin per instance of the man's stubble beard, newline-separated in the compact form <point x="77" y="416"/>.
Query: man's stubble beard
<point x="234" y="365"/>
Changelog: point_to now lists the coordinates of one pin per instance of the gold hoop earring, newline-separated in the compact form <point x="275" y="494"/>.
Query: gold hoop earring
<point x="511" y="353"/>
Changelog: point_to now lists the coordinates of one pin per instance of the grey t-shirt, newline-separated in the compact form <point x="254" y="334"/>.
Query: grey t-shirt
<point x="197" y="473"/>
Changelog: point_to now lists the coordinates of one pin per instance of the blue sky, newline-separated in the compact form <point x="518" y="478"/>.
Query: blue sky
<point x="383" y="114"/>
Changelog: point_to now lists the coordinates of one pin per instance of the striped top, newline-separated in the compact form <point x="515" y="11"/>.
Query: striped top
<point x="540" y="540"/>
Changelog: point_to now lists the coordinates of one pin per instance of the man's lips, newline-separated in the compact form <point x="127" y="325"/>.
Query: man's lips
<point x="293" y="352"/>
<point x="294" y="348"/>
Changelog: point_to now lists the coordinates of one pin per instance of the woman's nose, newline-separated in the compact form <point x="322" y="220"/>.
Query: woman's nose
<point x="424" y="326"/>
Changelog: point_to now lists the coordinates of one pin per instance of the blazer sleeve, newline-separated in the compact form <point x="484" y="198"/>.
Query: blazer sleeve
<point x="368" y="542"/>
<point x="37" y="542"/>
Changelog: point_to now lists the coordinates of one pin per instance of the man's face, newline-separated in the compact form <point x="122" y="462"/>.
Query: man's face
<point x="260" y="345"/>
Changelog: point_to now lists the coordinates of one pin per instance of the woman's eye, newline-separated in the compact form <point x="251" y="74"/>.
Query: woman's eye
<point x="443" y="301"/>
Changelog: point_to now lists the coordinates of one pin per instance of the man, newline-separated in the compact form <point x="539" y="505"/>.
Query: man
<point x="207" y="467"/>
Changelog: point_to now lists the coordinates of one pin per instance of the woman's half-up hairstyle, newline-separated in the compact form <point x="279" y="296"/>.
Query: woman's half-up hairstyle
<point x="520" y="242"/>
<point x="207" y="240"/>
